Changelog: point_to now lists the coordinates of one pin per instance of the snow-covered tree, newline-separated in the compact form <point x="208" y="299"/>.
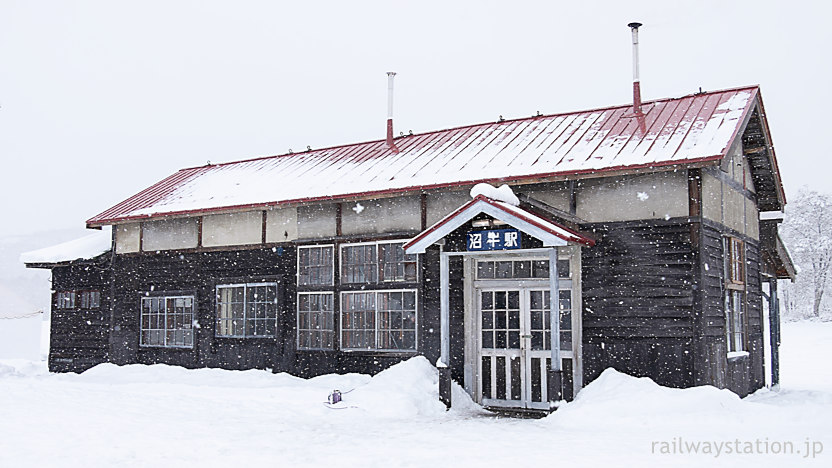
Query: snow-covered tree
<point x="807" y="231"/>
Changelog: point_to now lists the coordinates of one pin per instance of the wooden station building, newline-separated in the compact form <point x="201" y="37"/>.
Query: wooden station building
<point x="641" y="225"/>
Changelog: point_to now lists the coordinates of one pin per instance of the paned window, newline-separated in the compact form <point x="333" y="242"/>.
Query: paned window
<point x="247" y="310"/>
<point x="395" y="264"/>
<point x="373" y="263"/>
<point x="316" y="321"/>
<point x="315" y="265"/>
<point x="520" y="269"/>
<point x="735" y="315"/>
<point x="379" y="320"/>
<point x="734" y="272"/>
<point x="65" y="300"/>
<point x="167" y="321"/>
<point x="77" y="299"/>
<point x="735" y="256"/>
<point x="359" y="264"/>
<point x="90" y="299"/>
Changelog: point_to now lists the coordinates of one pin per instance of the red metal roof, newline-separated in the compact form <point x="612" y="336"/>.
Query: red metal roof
<point x="692" y="129"/>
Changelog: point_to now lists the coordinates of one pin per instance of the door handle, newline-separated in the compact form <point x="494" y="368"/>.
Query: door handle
<point x="526" y="336"/>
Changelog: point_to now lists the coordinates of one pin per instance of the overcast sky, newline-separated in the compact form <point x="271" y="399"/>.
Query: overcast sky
<point x="99" y="100"/>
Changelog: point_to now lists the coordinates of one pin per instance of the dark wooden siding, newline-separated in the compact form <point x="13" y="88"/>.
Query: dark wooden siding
<point x="743" y="375"/>
<point x="638" y="301"/>
<point x="199" y="273"/>
<point x="79" y="337"/>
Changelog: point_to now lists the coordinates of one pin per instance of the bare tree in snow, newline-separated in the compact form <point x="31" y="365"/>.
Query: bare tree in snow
<point x="807" y="231"/>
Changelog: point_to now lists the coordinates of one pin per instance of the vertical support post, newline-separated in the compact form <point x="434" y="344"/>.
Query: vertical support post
<point x="555" y="372"/>
<point x="774" y="330"/>
<point x="445" y="331"/>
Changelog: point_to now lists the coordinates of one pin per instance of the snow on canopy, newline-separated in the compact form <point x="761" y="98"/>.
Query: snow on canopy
<point x="502" y="193"/>
<point x="691" y="129"/>
<point x="89" y="246"/>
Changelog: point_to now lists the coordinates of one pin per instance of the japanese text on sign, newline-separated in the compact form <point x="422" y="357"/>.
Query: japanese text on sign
<point x="499" y="239"/>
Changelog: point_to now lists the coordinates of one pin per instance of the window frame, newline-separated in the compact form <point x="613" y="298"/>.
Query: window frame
<point x="165" y="296"/>
<point x="245" y="318"/>
<point x="65" y="299"/>
<point x="379" y="265"/>
<point x="75" y="299"/>
<point x="376" y="293"/>
<point x="298" y="330"/>
<point x="331" y="269"/>
<point x="734" y="294"/>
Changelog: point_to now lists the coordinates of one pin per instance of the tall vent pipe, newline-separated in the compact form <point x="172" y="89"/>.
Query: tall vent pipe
<point x="390" y="144"/>
<point x="636" y="81"/>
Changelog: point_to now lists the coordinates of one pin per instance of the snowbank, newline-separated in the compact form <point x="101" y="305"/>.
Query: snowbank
<point x="502" y="193"/>
<point x="161" y="415"/>
<point x="88" y="246"/>
<point x="620" y="399"/>
<point x="406" y="390"/>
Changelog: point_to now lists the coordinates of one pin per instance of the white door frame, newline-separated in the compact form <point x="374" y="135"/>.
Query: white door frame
<point x="472" y="320"/>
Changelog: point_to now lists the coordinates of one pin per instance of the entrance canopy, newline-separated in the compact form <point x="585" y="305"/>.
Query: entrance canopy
<point x="549" y="232"/>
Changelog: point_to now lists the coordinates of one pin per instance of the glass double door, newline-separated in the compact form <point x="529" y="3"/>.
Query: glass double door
<point x="515" y="346"/>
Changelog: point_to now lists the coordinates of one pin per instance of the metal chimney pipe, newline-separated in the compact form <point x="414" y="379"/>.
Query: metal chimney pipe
<point x="390" y="76"/>
<point x="636" y="81"/>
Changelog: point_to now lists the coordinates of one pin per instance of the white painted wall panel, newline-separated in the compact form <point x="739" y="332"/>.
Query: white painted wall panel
<point x="442" y="204"/>
<point x="316" y="221"/>
<point x="711" y="198"/>
<point x="650" y="196"/>
<point x="281" y="224"/>
<point x="127" y="237"/>
<point x="170" y="234"/>
<point x="232" y="229"/>
<point x="381" y="215"/>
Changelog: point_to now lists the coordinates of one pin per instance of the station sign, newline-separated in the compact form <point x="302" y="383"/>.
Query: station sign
<point x="497" y="239"/>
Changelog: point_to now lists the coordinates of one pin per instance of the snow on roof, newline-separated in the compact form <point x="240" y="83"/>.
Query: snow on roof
<point x="690" y="129"/>
<point x="89" y="246"/>
<point x="502" y="193"/>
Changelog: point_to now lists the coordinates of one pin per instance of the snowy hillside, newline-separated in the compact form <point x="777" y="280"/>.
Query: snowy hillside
<point x="168" y="416"/>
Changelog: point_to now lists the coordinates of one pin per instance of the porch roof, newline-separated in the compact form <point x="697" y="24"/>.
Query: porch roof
<point x="549" y="232"/>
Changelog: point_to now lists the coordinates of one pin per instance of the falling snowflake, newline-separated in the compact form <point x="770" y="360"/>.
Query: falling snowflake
<point x="358" y="208"/>
<point x="642" y="196"/>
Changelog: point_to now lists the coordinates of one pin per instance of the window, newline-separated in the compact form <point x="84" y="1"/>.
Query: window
<point x="315" y="265"/>
<point x="90" y="299"/>
<point x="734" y="271"/>
<point x="65" y="300"/>
<point x="316" y="321"/>
<point x="735" y="314"/>
<point x="520" y="269"/>
<point x="368" y="320"/>
<point x="395" y="264"/>
<point x="167" y="321"/>
<point x="735" y="258"/>
<point x="247" y="310"/>
<point x="379" y="320"/>
<point x="378" y="262"/>
<point x="77" y="299"/>
<point x="359" y="264"/>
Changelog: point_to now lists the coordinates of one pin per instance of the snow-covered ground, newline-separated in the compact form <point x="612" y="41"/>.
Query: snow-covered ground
<point x="167" y="416"/>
